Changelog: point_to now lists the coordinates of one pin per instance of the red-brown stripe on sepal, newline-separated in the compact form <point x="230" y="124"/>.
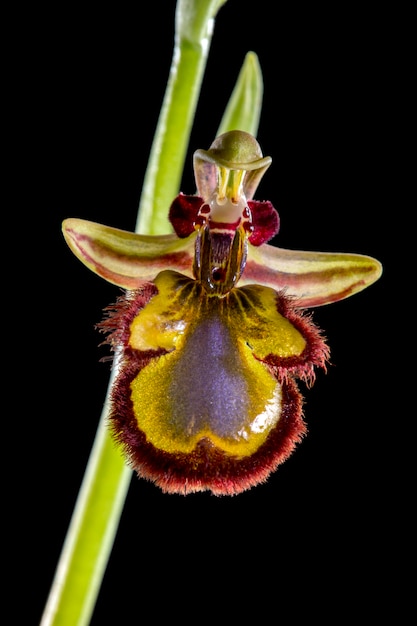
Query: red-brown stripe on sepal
<point x="314" y="278"/>
<point x="127" y="259"/>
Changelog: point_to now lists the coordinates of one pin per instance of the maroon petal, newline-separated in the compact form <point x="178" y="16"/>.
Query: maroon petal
<point x="265" y="222"/>
<point x="183" y="214"/>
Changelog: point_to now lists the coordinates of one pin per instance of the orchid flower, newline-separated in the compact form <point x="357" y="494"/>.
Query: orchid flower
<point x="211" y="333"/>
<point x="211" y="336"/>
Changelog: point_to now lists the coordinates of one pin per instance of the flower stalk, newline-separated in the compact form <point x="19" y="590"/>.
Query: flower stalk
<point x="180" y="270"/>
<point x="95" y="519"/>
<point x="194" y="23"/>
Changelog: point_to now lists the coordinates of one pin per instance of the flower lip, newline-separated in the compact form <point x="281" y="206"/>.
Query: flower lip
<point x="206" y="395"/>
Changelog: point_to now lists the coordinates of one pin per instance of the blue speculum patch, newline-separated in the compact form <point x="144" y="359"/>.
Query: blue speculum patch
<point x="218" y="396"/>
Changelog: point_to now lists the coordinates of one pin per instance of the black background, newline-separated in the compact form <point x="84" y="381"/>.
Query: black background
<point x="92" y="84"/>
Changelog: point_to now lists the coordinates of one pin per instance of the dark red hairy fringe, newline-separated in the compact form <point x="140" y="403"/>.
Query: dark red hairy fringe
<point x="119" y="316"/>
<point x="316" y="352"/>
<point x="207" y="467"/>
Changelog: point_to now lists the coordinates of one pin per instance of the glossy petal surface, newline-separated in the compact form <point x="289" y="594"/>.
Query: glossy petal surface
<point x="211" y="382"/>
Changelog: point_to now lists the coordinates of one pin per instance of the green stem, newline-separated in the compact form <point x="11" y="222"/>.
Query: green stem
<point x="91" y="533"/>
<point x="94" y="523"/>
<point x="193" y="33"/>
<point x="105" y="485"/>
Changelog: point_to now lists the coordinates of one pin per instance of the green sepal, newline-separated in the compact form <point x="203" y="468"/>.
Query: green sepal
<point x="127" y="259"/>
<point x="313" y="278"/>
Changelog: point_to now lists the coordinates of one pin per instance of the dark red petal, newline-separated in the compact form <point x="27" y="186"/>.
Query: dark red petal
<point x="183" y="213"/>
<point x="265" y="220"/>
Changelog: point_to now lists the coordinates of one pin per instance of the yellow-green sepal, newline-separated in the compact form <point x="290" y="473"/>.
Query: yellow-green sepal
<point x="127" y="259"/>
<point x="313" y="278"/>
